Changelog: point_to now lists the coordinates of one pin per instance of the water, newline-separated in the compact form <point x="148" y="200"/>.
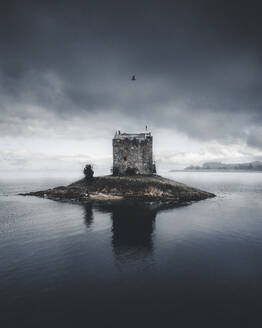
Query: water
<point x="65" y="264"/>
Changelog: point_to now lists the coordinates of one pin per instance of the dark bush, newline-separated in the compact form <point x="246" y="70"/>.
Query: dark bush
<point x="88" y="172"/>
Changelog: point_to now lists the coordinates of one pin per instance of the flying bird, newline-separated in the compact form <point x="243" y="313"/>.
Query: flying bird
<point x="133" y="78"/>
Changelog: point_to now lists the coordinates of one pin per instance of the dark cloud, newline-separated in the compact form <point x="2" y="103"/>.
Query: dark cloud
<point x="198" y="63"/>
<point x="254" y="138"/>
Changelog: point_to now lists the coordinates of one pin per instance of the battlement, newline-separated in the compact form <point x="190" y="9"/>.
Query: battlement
<point x="140" y="136"/>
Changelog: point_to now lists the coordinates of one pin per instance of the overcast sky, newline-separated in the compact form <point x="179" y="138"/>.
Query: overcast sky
<point x="65" y="81"/>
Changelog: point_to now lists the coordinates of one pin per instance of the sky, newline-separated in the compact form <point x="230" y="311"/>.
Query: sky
<point x="65" y="81"/>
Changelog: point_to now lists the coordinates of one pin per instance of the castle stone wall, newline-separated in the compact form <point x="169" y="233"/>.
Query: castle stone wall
<point x="133" y="153"/>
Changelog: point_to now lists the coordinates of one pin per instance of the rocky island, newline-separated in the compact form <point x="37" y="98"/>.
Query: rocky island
<point x="138" y="188"/>
<point x="133" y="178"/>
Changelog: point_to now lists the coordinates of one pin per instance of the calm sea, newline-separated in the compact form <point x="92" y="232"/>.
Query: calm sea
<point x="62" y="265"/>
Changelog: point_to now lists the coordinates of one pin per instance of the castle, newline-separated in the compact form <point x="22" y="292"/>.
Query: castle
<point x="133" y="154"/>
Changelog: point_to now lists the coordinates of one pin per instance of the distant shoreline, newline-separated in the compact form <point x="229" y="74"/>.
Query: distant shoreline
<point x="218" y="171"/>
<point x="222" y="167"/>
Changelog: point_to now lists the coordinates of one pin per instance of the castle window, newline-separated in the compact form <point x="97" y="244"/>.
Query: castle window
<point x="125" y="158"/>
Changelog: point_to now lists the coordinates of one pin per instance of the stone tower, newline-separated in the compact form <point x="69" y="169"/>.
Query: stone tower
<point x="133" y="154"/>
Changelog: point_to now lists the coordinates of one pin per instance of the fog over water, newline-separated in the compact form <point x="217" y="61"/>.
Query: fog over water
<point x="63" y="263"/>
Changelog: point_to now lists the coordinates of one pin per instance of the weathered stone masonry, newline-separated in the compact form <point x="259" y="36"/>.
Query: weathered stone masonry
<point x="133" y="153"/>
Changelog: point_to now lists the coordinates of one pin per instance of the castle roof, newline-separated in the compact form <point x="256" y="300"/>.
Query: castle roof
<point x="141" y="136"/>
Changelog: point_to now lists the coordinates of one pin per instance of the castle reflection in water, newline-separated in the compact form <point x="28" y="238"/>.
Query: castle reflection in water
<point x="133" y="226"/>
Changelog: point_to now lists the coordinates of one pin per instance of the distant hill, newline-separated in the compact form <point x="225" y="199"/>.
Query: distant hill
<point x="252" y="166"/>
